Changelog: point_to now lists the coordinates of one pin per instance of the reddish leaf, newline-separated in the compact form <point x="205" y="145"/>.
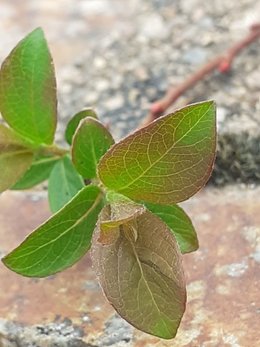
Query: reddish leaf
<point x="141" y="273"/>
<point x="166" y="162"/>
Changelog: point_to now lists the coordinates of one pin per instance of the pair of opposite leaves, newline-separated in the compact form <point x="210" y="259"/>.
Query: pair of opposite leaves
<point x="162" y="164"/>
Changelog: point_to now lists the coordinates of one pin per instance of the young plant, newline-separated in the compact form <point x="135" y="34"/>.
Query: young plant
<point x="117" y="199"/>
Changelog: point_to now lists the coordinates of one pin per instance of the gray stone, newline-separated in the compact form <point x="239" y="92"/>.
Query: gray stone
<point x="117" y="333"/>
<point x="195" y="56"/>
<point x="153" y="27"/>
<point x="114" y="102"/>
<point x="222" y="113"/>
<point x="51" y="335"/>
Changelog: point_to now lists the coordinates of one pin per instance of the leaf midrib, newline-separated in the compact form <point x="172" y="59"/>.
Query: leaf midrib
<point x="96" y="202"/>
<point x="146" y="284"/>
<point x="160" y="158"/>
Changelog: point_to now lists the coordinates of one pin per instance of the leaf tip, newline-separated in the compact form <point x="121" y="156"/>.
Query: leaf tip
<point x="212" y="104"/>
<point x="37" y="32"/>
<point x="5" y="261"/>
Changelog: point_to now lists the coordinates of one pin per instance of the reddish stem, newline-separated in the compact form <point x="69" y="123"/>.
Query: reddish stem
<point x="222" y="63"/>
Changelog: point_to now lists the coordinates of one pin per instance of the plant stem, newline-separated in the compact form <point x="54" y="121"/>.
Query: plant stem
<point x="222" y="63"/>
<point x="54" y="150"/>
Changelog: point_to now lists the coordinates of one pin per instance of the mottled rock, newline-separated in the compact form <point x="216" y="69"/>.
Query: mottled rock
<point x="69" y="309"/>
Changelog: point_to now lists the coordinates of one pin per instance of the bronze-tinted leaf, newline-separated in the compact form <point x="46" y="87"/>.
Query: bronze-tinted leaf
<point x="167" y="161"/>
<point x="120" y="212"/>
<point x="141" y="273"/>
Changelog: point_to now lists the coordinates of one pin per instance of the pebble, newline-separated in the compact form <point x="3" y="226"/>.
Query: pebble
<point x="94" y="7"/>
<point x="152" y="27"/>
<point x="237" y="269"/>
<point x="114" y="102"/>
<point x="221" y="114"/>
<point x="117" y="330"/>
<point x="195" y="56"/>
<point x="102" y="85"/>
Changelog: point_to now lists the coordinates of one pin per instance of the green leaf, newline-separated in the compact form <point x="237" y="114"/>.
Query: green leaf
<point x="90" y="143"/>
<point x="15" y="158"/>
<point x="38" y="172"/>
<point x="74" y="122"/>
<point x="166" y="162"/>
<point x="28" y="89"/>
<point x="179" y="223"/>
<point x="62" y="240"/>
<point x="140" y="271"/>
<point x="64" y="183"/>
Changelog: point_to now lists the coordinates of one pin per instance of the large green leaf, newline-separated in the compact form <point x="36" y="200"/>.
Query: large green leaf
<point x="15" y="158"/>
<point x="90" y="143"/>
<point x="140" y="271"/>
<point x="64" y="183"/>
<point x="38" y="172"/>
<point x="28" y="89"/>
<point x="62" y="240"/>
<point x="166" y="162"/>
<point x="74" y="122"/>
<point x="179" y="223"/>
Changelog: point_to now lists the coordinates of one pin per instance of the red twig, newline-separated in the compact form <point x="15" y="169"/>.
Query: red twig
<point x="222" y="63"/>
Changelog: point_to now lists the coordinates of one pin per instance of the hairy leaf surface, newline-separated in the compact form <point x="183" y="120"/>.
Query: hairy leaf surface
<point x="74" y="122"/>
<point x="179" y="223"/>
<point x="28" y="89"/>
<point x="38" y="172"/>
<point x="62" y="240"/>
<point x="64" y="183"/>
<point x="140" y="271"/>
<point x="90" y="143"/>
<point x="166" y="162"/>
<point x="15" y="158"/>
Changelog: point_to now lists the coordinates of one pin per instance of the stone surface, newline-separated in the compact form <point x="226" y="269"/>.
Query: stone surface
<point x="68" y="309"/>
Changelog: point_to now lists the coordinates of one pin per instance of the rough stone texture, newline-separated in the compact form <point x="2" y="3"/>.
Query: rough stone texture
<point x="69" y="309"/>
<point x="119" y="56"/>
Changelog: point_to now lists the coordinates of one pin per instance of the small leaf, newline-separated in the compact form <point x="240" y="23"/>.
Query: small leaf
<point x="179" y="223"/>
<point x="120" y="212"/>
<point x="166" y="162"/>
<point x="15" y="158"/>
<point x="38" y="172"/>
<point x="74" y="122"/>
<point x="64" y="183"/>
<point x="140" y="271"/>
<point x="90" y="143"/>
<point x="28" y="89"/>
<point x="62" y="240"/>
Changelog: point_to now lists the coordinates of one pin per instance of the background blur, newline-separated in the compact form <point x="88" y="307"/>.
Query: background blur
<point x="120" y="55"/>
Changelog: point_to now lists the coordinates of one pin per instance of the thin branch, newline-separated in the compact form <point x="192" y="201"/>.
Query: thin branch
<point x="222" y="63"/>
